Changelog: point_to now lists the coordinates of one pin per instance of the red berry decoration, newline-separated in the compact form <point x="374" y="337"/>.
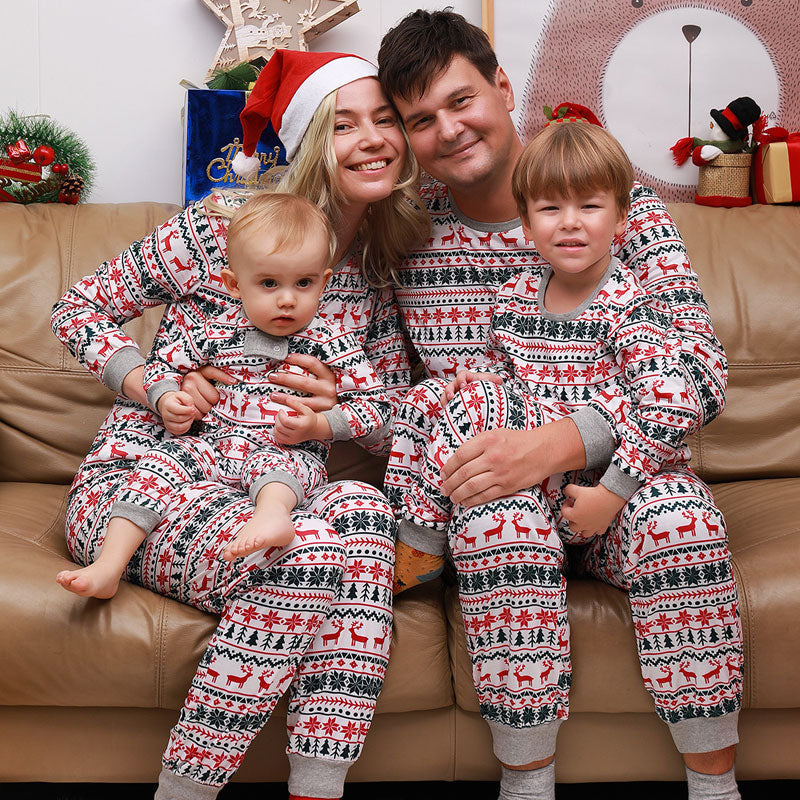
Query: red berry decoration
<point x="44" y="155"/>
<point x="60" y="169"/>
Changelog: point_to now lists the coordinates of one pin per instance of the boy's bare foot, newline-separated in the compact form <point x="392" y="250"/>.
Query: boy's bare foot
<point x="269" y="527"/>
<point x="96" y="580"/>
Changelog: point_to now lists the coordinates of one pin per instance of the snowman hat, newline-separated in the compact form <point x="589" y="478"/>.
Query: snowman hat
<point x="737" y="116"/>
<point x="570" y="112"/>
<point x="287" y="92"/>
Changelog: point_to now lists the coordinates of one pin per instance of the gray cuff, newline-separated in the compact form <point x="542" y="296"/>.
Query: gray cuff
<point x="428" y="540"/>
<point x="158" y="390"/>
<point x="145" y="518"/>
<point x="519" y="746"/>
<point x="376" y="437"/>
<point x="705" y="734"/>
<point x="619" y="482"/>
<point x="340" y="429"/>
<point x="598" y="439"/>
<point x="277" y="476"/>
<point x="317" y="777"/>
<point x="119" y="365"/>
<point x="179" y="787"/>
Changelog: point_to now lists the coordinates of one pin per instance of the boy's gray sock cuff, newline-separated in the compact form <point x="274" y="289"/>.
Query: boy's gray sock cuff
<point x="317" y="777"/>
<point x="705" y="734"/>
<point x="518" y="746"/>
<point x="277" y="476"/>
<point x="179" y="787"/>
<point x="528" y="784"/>
<point x="712" y="787"/>
<point x="145" y="518"/>
<point x="421" y="538"/>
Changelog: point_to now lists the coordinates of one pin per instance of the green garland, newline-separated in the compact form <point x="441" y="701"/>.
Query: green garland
<point x="69" y="149"/>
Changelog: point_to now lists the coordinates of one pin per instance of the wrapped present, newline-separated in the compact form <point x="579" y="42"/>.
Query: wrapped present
<point x="20" y="171"/>
<point x="212" y="140"/>
<point x="776" y="167"/>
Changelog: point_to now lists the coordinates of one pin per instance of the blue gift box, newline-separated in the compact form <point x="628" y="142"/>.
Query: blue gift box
<point x="213" y="138"/>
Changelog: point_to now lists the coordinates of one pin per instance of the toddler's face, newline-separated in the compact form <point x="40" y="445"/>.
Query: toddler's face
<point x="279" y="291"/>
<point x="575" y="233"/>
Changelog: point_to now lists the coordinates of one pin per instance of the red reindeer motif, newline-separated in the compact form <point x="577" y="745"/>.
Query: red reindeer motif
<point x="690" y="528"/>
<point x="508" y="241"/>
<point x="548" y="668"/>
<point x="462" y="237"/>
<point x="713" y="673"/>
<point x="503" y="674"/>
<point x="733" y="667"/>
<point x="379" y="640"/>
<point x="356" y="638"/>
<point x="333" y="638"/>
<point x="361" y="381"/>
<point x="687" y="674"/>
<point x="662" y="536"/>
<point x="118" y="452"/>
<point x="713" y="530"/>
<point x="498" y="529"/>
<point x="520" y="529"/>
<point x="522" y="677"/>
<point x="450" y="238"/>
<point x="264" y="680"/>
<point x="667" y="679"/>
<point x="485" y="240"/>
<point x="661" y="397"/>
<point x="240" y="680"/>
<point x="212" y="673"/>
<point x="304" y="533"/>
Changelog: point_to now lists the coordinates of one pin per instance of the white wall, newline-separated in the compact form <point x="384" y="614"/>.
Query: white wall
<point x="110" y="71"/>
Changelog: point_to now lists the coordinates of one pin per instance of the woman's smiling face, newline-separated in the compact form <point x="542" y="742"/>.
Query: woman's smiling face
<point x="368" y="141"/>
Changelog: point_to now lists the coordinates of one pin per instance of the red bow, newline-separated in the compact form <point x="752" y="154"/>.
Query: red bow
<point x="777" y="134"/>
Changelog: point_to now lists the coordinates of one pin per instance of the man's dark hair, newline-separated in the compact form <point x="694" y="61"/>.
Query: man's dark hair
<point x="423" y="44"/>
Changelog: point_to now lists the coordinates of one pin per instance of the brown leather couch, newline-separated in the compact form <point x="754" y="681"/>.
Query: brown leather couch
<point x="89" y="689"/>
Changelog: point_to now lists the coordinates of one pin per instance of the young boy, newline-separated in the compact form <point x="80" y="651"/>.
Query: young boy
<point x="580" y="338"/>
<point x="280" y="248"/>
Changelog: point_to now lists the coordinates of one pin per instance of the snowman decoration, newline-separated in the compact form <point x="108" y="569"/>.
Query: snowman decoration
<point x="724" y="155"/>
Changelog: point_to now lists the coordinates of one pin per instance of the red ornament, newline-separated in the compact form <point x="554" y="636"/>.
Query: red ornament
<point x="60" y="169"/>
<point x="18" y="152"/>
<point x="44" y="155"/>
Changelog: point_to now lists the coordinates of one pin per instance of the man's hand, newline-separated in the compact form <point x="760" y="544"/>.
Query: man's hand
<point x="203" y="393"/>
<point x="500" y="462"/>
<point x="590" y="510"/>
<point x="464" y="377"/>
<point x="178" y="411"/>
<point x="301" y="426"/>
<point x="320" y="384"/>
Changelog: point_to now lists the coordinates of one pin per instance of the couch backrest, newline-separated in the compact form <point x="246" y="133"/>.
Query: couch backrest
<point x="50" y="407"/>
<point x="748" y="260"/>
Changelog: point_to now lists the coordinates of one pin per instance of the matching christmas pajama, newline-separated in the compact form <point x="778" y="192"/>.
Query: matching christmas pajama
<point x="314" y="616"/>
<point x="668" y="546"/>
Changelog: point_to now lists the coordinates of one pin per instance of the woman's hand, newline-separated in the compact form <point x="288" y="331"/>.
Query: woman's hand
<point x="501" y="462"/>
<point x="320" y="385"/>
<point x="203" y="393"/>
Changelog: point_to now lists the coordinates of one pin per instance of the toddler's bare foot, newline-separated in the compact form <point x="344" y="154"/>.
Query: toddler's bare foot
<point x="267" y="528"/>
<point x="96" y="580"/>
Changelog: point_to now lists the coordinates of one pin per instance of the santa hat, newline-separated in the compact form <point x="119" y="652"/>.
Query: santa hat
<point x="570" y="112"/>
<point x="287" y="92"/>
<point x="737" y="116"/>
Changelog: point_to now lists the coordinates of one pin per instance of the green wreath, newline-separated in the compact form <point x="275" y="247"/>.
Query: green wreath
<point x="75" y="174"/>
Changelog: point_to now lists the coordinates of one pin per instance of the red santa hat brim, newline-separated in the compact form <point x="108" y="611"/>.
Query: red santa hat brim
<point x="288" y="92"/>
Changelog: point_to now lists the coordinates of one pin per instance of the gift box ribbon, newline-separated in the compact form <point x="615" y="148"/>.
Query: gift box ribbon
<point x="777" y="144"/>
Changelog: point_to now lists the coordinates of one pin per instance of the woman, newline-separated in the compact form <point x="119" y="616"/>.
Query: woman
<point x="288" y="617"/>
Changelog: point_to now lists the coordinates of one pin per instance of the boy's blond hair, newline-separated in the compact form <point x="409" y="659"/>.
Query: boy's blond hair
<point x="288" y="217"/>
<point x="569" y="158"/>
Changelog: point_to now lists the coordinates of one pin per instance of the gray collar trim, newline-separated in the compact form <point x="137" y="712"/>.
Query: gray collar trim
<point x="258" y="343"/>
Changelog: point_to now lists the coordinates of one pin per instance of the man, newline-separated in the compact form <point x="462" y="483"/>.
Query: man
<point x="455" y="102"/>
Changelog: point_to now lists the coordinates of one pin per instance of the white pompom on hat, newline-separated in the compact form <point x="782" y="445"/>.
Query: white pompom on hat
<point x="287" y="92"/>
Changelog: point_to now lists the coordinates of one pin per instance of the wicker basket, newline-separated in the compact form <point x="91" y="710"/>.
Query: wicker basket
<point x="728" y="175"/>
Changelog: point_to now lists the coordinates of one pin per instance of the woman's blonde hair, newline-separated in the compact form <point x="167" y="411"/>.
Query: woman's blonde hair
<point x="391" y="228"/>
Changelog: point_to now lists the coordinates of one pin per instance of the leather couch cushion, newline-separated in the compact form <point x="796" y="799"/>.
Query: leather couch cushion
<point x="140" y="650"/>
<point x="750" y="274"/>
<point x="51" y="407"/>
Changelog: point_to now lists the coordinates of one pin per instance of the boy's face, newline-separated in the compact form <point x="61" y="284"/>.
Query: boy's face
<point x="460" y="130"/>
<point x="574" y="234"/>
<point x="279" y="291"/>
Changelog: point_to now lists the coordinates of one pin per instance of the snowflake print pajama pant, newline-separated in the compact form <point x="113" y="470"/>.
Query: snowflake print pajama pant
<point x="667" y="549"/>
<point x="313" y="617"/>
